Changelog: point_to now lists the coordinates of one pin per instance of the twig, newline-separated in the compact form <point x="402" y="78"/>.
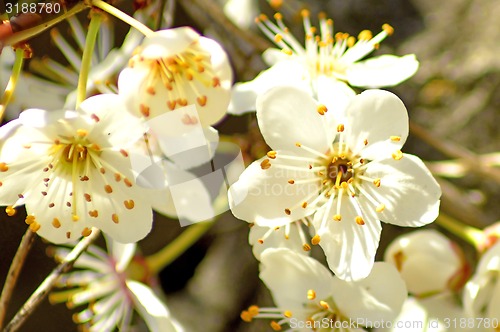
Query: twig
<point x="216" y="14"/>
<point x="46" y="286"/>
<point x="14" y="270"/>
<point x="455" y="151"/>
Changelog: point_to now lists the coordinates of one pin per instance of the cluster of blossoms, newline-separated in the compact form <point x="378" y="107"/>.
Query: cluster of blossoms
<point x="334" y="172"/>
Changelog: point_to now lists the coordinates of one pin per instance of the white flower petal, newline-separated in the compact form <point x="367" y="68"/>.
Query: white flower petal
<point x="122" y="253"/>
<point x="167" y="42"/>
<point x="349" y="248"/>
<point x="408" y="190"/>
<point x="272" y="56"/>
<point x="276" y="239"/>
<point x="241" y="12"/>
<point x="286" y="73"/>
<point x="288" y="115"/>
<point x="290" y="275"/>
<point x="382" y="71"/>
<point x="375" y="116"/>
<point x="154" y="312"/>
<point x="263" y="195"/>
<point x="369" y="298"/>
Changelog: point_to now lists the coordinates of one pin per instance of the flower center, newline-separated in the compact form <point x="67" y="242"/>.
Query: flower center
<point x="182" y="75"/>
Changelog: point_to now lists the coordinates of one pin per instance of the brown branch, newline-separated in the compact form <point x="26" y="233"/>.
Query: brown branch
<point x="14" y="270"/>
<point x="46" y="286"/>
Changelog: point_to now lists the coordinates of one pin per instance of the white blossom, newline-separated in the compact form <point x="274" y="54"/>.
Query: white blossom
<point x="307" y="295"/>
<point x="324" y="65"/>
<point x="71" y="169"/>
<point x="347" y="169"/>
<point x="104" y="282"/>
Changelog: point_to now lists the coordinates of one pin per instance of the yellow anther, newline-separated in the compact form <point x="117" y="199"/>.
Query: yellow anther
<point x="395" y="138"/>
<point x="75" y="217"/>
<point x="337" y="217"/>
<point x="82" y="133"/>
<point x="304" y="205"/>
<point x="377" y="182"/>
<point x="288" y="211"/>
<point x="275" y="326"/>
<point x="397" y="155"/>
<point x="388" y="29"/>
<point x="56" y="223"/>
<point x="4" y="167"/>
<point x="272" y="154"/>
<point x="278" y="38"/>
<point x="380" y="208"/>
<point x="253" y="310"/>
<point x="129" y="204"/>
<point x="322" y="109"/>
<point x="305" y="13"/>
<point x="29" y="219"/>
<point x="246" y="316"/>
<point x="365" y="35"/>
<point x="34" y="227"/>
<point x="10" y="210"/>
<point x="359" y="220"/>
<point x="93" y="213"/>
<point x="86" y="232"/>
<point x="287" y="51"/>
<point x="115" y="218"/>
<point x="291" y="181"/>
<point x="311" y="294"/>
<point x="276" y="4"/>
<point x="324" y="305"/>
<point x="340" y="128"/>
<point x="298" y="145"/>
<point x="287" y="314"/>
<point x="306" y="247"/>
<point x="351" y="41"/>
<point x="108" y="189"/>
<point x="265" y="164"/>
<point x="262" y="17"/>
<point x="315" y="239"/>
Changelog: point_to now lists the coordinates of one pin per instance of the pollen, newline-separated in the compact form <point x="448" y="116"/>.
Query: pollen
<point x="114" y="218"/>
<point x="380" y="208"/>
<point x="34" y="227"/>
<point x="202" y="100"/>
<point x="306" y="247"/>
<point x="377" y="182"/>
<point x="315" y="239"/>
<point x="4" y="167"/>
<point x="337" y="217"/>
<point x="288" y="211"/>
<point x="75" y="217"/>
<point x="340" y="128"/>
<point x="56" y="223"/>
<point x="82" y="133"/>
<point x="144" y="110"/>
<point x="324" y="305"/>
<point x="388" y="29"/>
<point x="10" y="210"/>
<point x="359" y="220"/>
<point x="398" y="155"/>
<point x="129" y="204"/>
<point x="246" y="316"/>
<point x="94" y="213"/>
<point x="265" y="164"/>
<point x="311" y="294"/>
<point x="322" y="109"/>
<point x="291" y="181"/>
<point x="275" y="326"/>
<point x="108" y="189"/>
<point x="29" y="219"/>
<point x="365" y="35"/>
<point x="395" y="138"/>
<point x="272" y="154"/>
<point x="287" y="314"/>
<point x="86" y="232"/>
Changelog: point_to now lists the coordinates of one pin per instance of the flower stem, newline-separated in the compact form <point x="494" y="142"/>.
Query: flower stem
<point x="174" y="249"/>
<point x="88" y="51"/>
<point x="11" y="86"/>
<point x="122" y="16"/>
<point x="45" y="287"/>
<point x="470" y="234"/>
<point x="15" y="268"/>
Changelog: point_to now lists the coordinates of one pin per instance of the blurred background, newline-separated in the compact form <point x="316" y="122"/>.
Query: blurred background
<point x="453" y="102"/>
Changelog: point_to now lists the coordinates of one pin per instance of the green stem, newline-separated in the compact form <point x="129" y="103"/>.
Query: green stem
<point x="177" y="247"/>
<point x="88" y="51"/>
<point x="11" y="86"/>
<point x="470" y="234"/>
<point x="122" y="16"/>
